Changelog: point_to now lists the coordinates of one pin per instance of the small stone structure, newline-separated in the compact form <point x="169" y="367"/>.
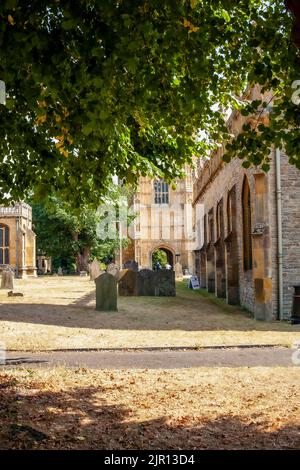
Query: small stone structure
<point x="147" y="283"/>
<point x="165" y="283"/>
<point x="7" y="280"/>
<point x="128" y="282"/>
<point x="113" y="269"/>
<point x="130" y="264"/>
<point x="17" y="240"/>
<point x="60" y="271"/>
<point x="106" y="293"/>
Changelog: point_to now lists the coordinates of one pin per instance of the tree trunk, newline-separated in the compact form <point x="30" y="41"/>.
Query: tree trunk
<point x="82" y="259"/>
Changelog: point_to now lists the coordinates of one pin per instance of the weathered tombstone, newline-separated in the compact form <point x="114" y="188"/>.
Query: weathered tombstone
<point x="178" y="271"/>
<point x="7" y="280"/>
<point x="113" y="269"/>
<point x="82" y="273"/>
<point x="60" y="271"/>
<point x="106" y="293"/>
<point x="95" y="270"/>
<point x="165" y="283"/>
<point x="146" y="282"/>
<point x="130" y="264"/>
<point x="128" y="282"/>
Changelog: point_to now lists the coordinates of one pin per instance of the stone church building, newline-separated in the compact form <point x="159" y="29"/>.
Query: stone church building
<point x="161" y="223"/>
<point x="17" y="240"/>
<point x="250" y="246"/>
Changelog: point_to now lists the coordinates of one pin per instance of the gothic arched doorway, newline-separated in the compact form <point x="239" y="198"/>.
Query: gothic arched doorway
<point x="163" y="256"/>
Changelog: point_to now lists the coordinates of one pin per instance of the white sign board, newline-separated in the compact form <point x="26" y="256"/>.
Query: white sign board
<point x="194" y="283"/>
<point x="2" y="92"/>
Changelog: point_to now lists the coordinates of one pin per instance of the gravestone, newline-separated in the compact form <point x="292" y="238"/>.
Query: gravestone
<point x="128" y="281"/>
<point x="113" y="269"/>
<point x="178" y="271"/>
<point x="83" y="273"/>
<point x="146" y="282"/>
<point x="60" y="271"/>
<point x="106" y="293"/>
<point x="165" y="283"/>
<point x="133" y="265"/>
<point x="7" y="280"/>
<point x="95" y="270"/>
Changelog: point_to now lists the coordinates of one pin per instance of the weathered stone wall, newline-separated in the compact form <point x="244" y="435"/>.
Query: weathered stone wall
<point x="230" y="175"/>
<point x="258" y="288"/>
<point x="159" y="227"/>
<point x="290" y="181"/>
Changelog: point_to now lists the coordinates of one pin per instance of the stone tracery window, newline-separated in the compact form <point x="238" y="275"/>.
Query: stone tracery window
<point x="4" y="244"/>
<point x="161" y="192"/>
<point x="247" y="228"/>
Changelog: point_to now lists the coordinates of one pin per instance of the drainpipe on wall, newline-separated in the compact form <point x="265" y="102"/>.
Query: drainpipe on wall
<point x="279" y="233"/>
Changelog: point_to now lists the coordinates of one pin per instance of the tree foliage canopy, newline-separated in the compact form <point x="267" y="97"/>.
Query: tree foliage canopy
<point x="70" y="236"/>
<point x="98" y="87"/>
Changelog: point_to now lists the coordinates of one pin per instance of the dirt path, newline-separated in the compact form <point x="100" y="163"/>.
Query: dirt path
<point x="237" y="357"/>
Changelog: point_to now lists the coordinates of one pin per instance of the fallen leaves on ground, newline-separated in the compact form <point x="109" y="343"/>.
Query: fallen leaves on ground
<point x="201" y="408"/>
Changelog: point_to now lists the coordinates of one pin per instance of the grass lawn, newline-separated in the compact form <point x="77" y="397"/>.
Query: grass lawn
<point x="59" y="312"/>
<point x="186" y="409"/>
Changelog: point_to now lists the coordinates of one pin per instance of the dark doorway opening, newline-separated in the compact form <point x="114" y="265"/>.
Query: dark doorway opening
<point x="164" y="257"/>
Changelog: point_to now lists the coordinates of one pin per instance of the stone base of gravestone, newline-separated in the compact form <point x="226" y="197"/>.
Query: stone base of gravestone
<point x="106" y="293"/>
<point x="7" y="280"/>
<point x="133" y="265"/>
<point x="128" y="282"/>
<point x="165" y="283"/>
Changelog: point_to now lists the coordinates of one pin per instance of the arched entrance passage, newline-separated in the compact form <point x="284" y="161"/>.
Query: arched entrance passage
<point x="163" y="255"/>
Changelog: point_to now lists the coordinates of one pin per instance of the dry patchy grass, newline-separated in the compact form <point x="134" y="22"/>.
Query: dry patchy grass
<point x="58" y="312"/>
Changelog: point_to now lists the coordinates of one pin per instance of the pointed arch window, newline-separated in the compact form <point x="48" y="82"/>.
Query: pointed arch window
<point x="247" y="226"/>
<point x="4" y="244"/>
<point x="219" y="220"/>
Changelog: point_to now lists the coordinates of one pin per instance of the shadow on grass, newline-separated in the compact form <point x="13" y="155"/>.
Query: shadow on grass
<point x="188" y="311"/>
<point x="81" y="418"/>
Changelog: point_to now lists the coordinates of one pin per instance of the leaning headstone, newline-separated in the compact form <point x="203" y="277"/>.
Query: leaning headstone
<point x="165" y="283"/>
<point x="127" y="285"/>
<point x="106" y="293"/>
<point x="60" y="271"/>
<point x="95" y="270"/>
<point x="146" y="282"/>
<point x="113" y="269"/>
<point x="178" y="271"/>
<point x="7" y="280"/>
<point x="130" y="264"/>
